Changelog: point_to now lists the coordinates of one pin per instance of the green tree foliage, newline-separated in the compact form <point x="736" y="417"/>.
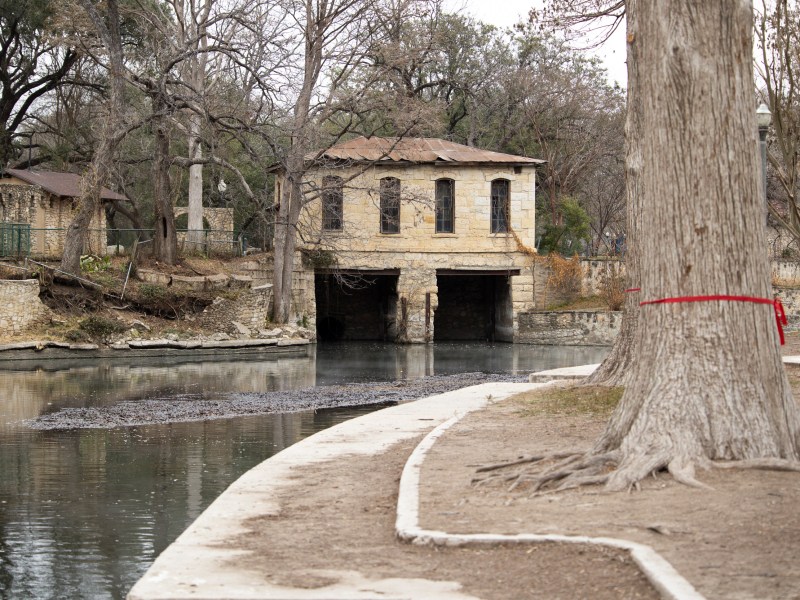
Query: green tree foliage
<point x="571" y="235"/>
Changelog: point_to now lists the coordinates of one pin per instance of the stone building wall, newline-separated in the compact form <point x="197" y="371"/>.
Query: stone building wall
<point x="472" y="225"/>
<point x="20" y="307"/>
<point x="417" y="251"/>
<point x="48" y="217"/>
<point x="417" y="287"/>
<point x="569" y="328"/>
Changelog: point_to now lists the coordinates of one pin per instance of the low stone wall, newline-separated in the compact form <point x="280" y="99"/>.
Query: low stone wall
<point x="597" y="271"/>
<point x="790" y="298"/>
<point x="250" y="309"/>
<point x="20" y="307"/>
<point x="569" y="328"/>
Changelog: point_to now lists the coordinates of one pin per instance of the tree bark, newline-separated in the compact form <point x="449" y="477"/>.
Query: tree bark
<point x="165" y="240"/>
<point x="709" y="384"/>
<point x="619" y="364"/>
<point x="113" y="131"/>
<point x="194" y="237"/>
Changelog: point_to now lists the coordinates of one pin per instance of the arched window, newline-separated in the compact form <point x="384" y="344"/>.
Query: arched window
<point x="390" y="205"/>
<point x="445" y="206"/>
<point x="332" y="201"/>
<point x="501" y="207"/>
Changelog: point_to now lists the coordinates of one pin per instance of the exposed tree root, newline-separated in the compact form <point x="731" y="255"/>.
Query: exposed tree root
<point x="767" y="464"/>
<point x="569" y="470"/>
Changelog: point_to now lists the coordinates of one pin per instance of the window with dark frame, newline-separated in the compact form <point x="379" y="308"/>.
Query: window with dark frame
<point x="332" y="201"/>
<point x="500" y="206"/>
<point x="445" y="193"/>
<point x="390" y="205"/>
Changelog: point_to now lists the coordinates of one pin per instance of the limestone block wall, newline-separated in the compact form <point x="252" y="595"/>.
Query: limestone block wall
<point x="48" y="216"/>
<point x="417" y="289"/>
<point x="219" y="219"/>
<point x="595" y="273"/>
<point x="250" y="308"/>
<point x="569" y="328"/>
<point x="786" y="272"/>
<point x="20" y="307"/>
<point x="472" y="224"/>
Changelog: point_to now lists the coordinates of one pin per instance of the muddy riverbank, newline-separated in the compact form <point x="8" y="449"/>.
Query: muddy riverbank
<point x="200" y="407"/>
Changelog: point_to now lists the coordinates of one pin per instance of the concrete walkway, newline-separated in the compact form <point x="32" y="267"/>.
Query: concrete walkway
<point x="198" y="565"/>
<point x="202" y="563"/>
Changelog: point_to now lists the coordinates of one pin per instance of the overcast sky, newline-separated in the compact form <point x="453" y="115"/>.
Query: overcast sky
<point x="505" y="13"/>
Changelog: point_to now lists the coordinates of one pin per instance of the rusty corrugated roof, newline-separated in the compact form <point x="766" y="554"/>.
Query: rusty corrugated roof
<point x="66" y="185"/>
<point x="417" y="150"/>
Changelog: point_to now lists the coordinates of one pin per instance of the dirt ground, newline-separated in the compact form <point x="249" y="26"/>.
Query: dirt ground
<point x="739" y="540"/>
<point x="339" y="518"/>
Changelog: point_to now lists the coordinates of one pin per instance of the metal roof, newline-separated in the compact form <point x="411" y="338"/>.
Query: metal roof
<point x="65" y="185"/>
<point x="417" y="150"/>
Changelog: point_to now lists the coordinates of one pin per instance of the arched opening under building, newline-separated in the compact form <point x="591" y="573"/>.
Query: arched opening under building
<point x="356" y="305"/>
<point x="474" y="306"/>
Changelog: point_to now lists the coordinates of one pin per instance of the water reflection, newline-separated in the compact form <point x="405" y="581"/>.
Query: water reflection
<point x="83" y="513"/>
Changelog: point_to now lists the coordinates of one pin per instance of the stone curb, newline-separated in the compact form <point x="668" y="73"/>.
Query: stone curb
<point x="661" y="574"/>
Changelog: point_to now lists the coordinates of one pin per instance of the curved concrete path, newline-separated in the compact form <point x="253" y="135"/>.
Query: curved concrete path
<point x="198" y="565"/>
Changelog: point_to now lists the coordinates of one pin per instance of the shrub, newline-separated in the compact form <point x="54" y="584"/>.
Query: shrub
<point x="612" y="289"/>
<point x="100" y="327"/>
<point x="564" y="282"/>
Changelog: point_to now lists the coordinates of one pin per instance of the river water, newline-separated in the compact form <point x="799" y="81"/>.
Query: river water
<point x="83" y="513"/>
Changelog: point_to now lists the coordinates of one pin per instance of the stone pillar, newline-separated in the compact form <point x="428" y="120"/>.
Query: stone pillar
<point x="417" y="303"/>
<point x="523" y="295"/>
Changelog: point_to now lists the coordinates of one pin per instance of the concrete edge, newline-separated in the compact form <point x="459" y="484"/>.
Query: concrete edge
<point x="200" y="563"/>
<point x="661" y="574"/>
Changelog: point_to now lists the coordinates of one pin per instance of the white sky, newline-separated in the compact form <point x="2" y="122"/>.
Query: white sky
<point x="505" y="13"/>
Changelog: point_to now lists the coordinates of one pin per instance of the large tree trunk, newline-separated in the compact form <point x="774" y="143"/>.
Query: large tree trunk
<point x="194" y="237"/>
<point x="113" y="131"/>
<point x="709" y="384"/>
<point x="286" y="238"/>
<point x="619" y="364"/>
<point x="165" y="240"/>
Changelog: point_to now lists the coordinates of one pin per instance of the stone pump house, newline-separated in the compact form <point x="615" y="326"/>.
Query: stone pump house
<point x="36" y="207"/>
<point x="419" y="240"/>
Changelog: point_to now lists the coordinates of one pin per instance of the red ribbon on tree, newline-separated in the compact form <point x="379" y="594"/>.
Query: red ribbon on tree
<point x="780" y="314"/>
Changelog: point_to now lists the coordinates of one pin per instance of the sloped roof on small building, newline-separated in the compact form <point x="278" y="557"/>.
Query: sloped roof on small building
<point x="417" y="150"/>
<point x="65" y="185"/>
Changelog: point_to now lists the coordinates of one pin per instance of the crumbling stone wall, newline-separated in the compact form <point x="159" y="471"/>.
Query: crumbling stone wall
<point x="20" y="307"/>
<point x="249" y="308"/>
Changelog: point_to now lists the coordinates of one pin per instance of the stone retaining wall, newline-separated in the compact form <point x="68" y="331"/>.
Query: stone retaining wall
<point x="250" y="308"/>
<point x="20" y="307"/>
<point x="569" y="328"/>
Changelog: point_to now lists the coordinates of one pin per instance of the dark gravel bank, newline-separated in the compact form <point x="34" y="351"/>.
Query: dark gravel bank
<point x="200" y="408"/>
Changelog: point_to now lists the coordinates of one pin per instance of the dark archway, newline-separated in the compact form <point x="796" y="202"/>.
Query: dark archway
<point x="356" y="305"/>
<point x="474" y="305"/>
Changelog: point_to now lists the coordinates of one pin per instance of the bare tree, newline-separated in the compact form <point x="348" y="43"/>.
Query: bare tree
<point x="710" y="388"/>
<point x="106" y="27"/>
<point x="777" y="33"/>
<point x="35" y="60"/>
<point x="333" y="98"/>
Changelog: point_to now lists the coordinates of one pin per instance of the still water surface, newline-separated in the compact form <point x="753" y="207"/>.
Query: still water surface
<point x="83" y="513"/>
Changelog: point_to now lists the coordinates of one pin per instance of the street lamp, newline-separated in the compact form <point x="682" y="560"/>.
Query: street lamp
<point x="763" y="118"/>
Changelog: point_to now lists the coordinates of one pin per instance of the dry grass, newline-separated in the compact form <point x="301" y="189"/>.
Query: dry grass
<point x="588" y="303"/>
<point x="569" y="400"/>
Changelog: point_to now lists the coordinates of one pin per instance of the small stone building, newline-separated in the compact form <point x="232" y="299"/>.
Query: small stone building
<point x="419" y="240"/>
<point x="36" y="207"/>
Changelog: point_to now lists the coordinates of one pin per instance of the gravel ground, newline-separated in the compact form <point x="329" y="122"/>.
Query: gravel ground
<point x="199" y="408"/>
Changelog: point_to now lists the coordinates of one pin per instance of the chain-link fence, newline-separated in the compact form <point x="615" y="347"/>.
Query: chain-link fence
<point x="22" y="240"/>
